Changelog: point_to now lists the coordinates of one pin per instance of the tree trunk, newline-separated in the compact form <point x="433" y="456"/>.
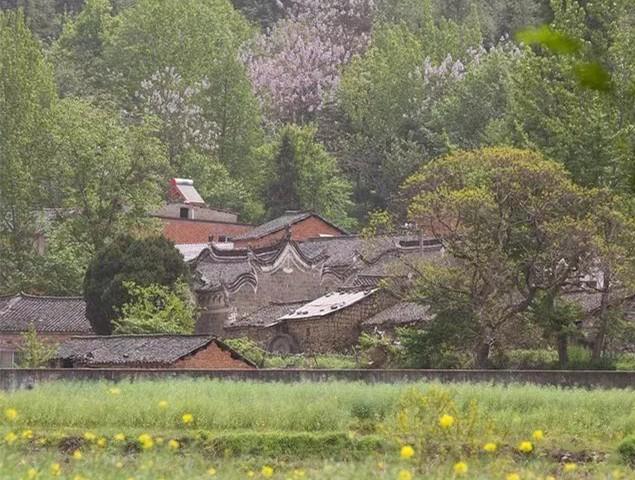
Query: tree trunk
<point x="563" y="350"/>
<point x="482" y="355"/>
<point x="603" y="319"/>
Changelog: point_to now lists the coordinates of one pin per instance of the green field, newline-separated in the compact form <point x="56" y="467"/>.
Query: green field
<point x="217" y="429"/>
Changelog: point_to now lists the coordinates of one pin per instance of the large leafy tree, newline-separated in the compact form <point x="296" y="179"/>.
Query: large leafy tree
<point x="508" y="239"/>
<point x="27" y="96"/>
<point x="201" y="41"/>
<point x="145" y="261"/>
<point x="301" y="174"/>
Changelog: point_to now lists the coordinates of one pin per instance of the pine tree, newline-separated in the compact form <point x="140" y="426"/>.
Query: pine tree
<point x="283" y="193"/>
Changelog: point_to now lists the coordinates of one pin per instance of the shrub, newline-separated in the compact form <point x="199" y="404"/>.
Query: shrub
<point x="529" y="360"/>
<point x="625" y="362"/>
<point x="248" y="349"/>
<point x="626" y="449"/>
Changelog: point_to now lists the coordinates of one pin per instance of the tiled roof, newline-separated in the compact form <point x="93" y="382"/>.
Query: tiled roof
<point x="47" y="314"/>
<point x="278" y="224"/>
<point x="329" y="303"/>
<point x="266" y="316"/>
<point x="183" y="231"/>
<point x="402" y="313"/>
<point x="154" y="350"/>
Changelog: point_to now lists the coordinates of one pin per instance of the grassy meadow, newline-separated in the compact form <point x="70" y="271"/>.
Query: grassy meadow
<point x="222" y="429"/>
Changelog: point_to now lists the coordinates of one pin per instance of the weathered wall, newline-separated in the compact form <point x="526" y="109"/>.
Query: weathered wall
<point x="11" y="379"/>
<point x="212" y="357"/>
<point x="182" y="231"/>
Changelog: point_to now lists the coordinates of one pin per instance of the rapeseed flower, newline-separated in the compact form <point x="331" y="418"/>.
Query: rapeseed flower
<point x="27" y="434"/>
<point x="569" y="467"/>
<point x="298" y="473"/>
<point x="538" y="435"/>
<point x="211" y="471"/>
<point x="163" y="404"/>
<point x="512" y="476"/>
<point x="407" y="452"/>
<point x="525" y="447"/>
<point x="115" y="391"/>
<point x="119" y="437"/>
<point x="460" y="468"/>
<point x="77" y="455"/>
<point x="146" y="441"/>
<point x="101" y="442"/>
<point x="267" y="471"/>
<point x="250" y="474"/>
<point x="119" y="464"/>
<point x="90" y="436"/>
<point x="187" y="418"/>
<point x="490" y="447"/>
<point x="10" y="438"/>
<point x="405" y="475"/>
<point x="11" y="414"/>
<point x="174" y="444"/>
<point x="31" y="473"/>
<point x="56" y="469"/>
<point x="446" y="421"/>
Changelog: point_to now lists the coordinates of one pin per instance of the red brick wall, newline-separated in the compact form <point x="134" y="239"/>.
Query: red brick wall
<point x="211" y="357"/>
<point x="191" y="231"/>
<point x="308" y="228"/>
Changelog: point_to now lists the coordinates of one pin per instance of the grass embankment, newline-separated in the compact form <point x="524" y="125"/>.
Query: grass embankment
<point x="353" y="427"/>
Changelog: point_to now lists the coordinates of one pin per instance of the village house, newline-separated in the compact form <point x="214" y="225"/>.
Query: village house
<point x="150" y="351"/>
<point x="55" y="320"/>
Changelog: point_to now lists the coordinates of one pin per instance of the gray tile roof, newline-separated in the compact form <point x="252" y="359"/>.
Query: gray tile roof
<point x="278" y="224"/>
<point x="150" y="350"/>
<point x="266" y="316"/>
<point x="402" y="313"/>
<point x="47" y="314"/>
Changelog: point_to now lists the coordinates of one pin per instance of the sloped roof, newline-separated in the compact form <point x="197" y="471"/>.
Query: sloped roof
<point x="47" y="314"/>
<point x="266" y="316"/>
<point x="329" y="303"/>
<point x="155" y="350"/>
<point x="184" y="188"/>
<point x="280" y="223"/>
<point x="401" y="313"/>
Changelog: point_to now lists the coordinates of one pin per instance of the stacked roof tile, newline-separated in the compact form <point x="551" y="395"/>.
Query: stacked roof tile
<point x="46" y="314"/>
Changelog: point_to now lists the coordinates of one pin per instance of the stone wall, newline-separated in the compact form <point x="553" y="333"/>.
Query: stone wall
<point x="11" y="379"/>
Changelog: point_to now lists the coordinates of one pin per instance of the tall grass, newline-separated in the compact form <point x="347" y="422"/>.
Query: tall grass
<point x="597" y="416"/>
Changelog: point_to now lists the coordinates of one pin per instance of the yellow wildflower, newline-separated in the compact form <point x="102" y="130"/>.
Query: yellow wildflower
<point x="119" y="464"/>
<point x="146" y="441"/>
<point x="525" y="447"/>
<point x="27" y="434"/>
<point x="115" y="391"/>
<point x="31" y="473"/>
<point x="617" y="474"/>
<point x="569" y="467"/>
<point x="460" y="468"/>
<point x="119" y="437"/>
<point x="211" y="471"/>
<point x="298" y="473"/>
<point x="538" y="435"/>
<point x="405" y="475"/>
<point x="550" y="477"/>
<point x="187" y="418"/>
<point x="101" y="442"/>
<point x="79" y="477"/>
<point x="490" y="447"/>
<point x="56" y="469"/>
<point x="11" y="414"/>
<point x="163" y="404"/>
<point x="10" y="438"/>
<point x="77" y="455"/>
<point x="407" y="452"/>
<point x="250" y="474"/>
<point x="174" y="444"/>
<point x="90" y="436"/>
<point x="512" y="476"/>
<point x="267" y="471"/>
<point x="446" y="421"/>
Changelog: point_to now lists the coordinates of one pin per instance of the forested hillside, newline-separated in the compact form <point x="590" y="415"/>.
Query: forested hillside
<point x="102" y="101"/>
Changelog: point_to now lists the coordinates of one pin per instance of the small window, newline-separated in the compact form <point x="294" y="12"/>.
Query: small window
<point x="222" y="238"/>
<point x="185" y="212"/>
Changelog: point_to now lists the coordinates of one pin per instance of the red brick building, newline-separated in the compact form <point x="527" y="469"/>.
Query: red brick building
<point x="297" y="226"/>
<point x="150" y="351"/>
<point x="55" y="319"/>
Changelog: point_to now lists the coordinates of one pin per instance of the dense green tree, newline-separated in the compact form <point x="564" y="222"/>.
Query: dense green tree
<point x="301" y="174"/>
<point x="507" y="240"/>
<point x="156" y="309"/>
<point x="109" y="176"/>
<point x="201" y="41"/>
<point x="144" y="261"/>
<point x="27" y="95"/>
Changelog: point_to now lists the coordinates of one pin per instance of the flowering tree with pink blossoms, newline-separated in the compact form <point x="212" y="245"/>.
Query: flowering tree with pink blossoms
<point x="295" y="66"/>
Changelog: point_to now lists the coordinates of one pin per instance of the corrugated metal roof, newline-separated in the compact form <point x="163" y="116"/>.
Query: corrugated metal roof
<point x="329" y="303"/>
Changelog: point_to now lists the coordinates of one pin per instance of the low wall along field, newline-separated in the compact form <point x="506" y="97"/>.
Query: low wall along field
<point x="195" y="428"/>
